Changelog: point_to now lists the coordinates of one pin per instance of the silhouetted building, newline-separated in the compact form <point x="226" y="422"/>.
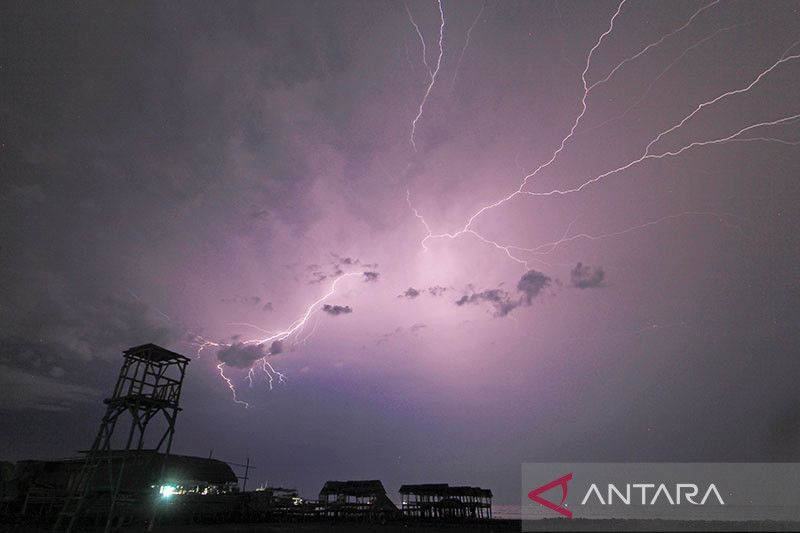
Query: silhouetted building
<point x="43" y="486"/>
<point x="441" y="501"/>
<point x="356" y="499"/>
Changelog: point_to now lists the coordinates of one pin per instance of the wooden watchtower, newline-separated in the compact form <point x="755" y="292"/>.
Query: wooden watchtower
<point x="149" y="385"/>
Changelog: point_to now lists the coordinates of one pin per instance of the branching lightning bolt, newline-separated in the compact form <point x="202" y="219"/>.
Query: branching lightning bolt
<point x="768" y="139"/>
<point x="295" y="328"/>
<point x="522" y="255"/>
<point x="230" y="386"/>
<point x="421" y="40"/>
<point x="646" y="155"/>
<point x="432" y="73"/>
<point x="672" y="153"/>
<point x="270" y="372"/>
<point x="549" y="247"/>
<point x="467" y="226"/>
<point x="663" y="73"/>
<point x="652" y="45"/>
<point x="466" y="43"/>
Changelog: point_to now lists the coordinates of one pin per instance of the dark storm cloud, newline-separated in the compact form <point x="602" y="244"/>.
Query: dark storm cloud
<point x="80" y="326"/>
<point x="412" y="293"/>
<point x="64" y="335"/>
<point x="164" y="106"/>
<point x="171" y="148"/>
<point x="246" y="300"/>
<point x="340" y="262"/>
<point x="348" y="261"/>
<point x="385" y="337"/>
<point x="502" y="301"/>
<point x="261" y="214"/>
<point x="25" y="391"/>
<point x="153" y="112"/>
<point x="318" y="277"/>
<point x="584" y="277"/>
<point x="337" y="310"/>
<point x="436" y="290"/>
<point x="239" y="355"/>
<point x="337" y="267"/>
<point x="530" y="286"/>
<point x="276" y="347"/>
<point x="409" y="293"/>
<point x="37" y="356"/>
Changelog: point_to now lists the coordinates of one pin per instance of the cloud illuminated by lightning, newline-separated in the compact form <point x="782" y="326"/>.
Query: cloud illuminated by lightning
<point x="586" y="89"/>
<point x="294" y="329"/>
<point x="646" y="155"/>
<point x="525" y="255"/>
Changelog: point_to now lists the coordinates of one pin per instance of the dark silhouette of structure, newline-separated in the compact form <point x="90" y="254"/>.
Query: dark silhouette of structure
<point x="441" y="501"/>
<point x="149" y="384"/>
<point x="193" y="486"/>
<point x="364" y="500"/>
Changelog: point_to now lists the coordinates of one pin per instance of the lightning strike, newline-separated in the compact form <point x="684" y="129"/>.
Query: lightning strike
<point x="300" y="341"/>
<point x="271" y="372"/>
<point x="652" y="45"/>
<point x="664" y="72"/>
<point x="466" y="43"/>
<point x="247" y="324"/>
<point x="647" y="155"/>
<point x="550" y="247"/>
<point x="295" y="328"/>
<point x="555" y="154"/>
<point x="707" y="103"/>
<point x="421" y="40"/>
<point x="230" y="386"/>
<point x="433" y="73"/>
<point x="768" y="139"/>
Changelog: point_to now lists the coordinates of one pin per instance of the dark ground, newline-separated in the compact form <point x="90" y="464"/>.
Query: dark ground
<point x="495" y="526"/>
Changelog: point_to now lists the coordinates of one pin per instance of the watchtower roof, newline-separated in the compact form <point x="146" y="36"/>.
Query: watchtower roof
<point x="155" y="353"/>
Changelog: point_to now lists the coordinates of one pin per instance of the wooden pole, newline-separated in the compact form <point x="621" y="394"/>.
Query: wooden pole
<point x="246" y="470"/>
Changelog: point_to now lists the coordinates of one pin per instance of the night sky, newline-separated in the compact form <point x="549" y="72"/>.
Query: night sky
<point x="199" y="175"/>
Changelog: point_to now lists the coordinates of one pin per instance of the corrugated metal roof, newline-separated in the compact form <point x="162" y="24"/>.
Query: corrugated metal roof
<point x="353" y="488"/>
<point x="156" y="353"/>
<point x="425" y="488"/>
<point x="444" y="490"/>
<point x="141" y="471"/>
